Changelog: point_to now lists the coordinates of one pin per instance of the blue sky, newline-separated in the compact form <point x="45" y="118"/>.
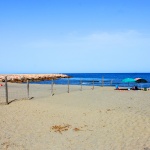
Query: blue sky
<point x="67" y="36"/>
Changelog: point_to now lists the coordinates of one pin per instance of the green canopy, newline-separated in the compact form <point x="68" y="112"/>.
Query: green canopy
<point x="128" y="80"/>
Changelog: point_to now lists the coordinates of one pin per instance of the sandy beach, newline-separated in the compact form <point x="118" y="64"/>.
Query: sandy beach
<point x="99" y="119"/>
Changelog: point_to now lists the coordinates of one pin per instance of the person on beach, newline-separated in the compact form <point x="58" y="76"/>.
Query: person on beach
<point x="135" y="88"/>
<point x="117" y="87"/>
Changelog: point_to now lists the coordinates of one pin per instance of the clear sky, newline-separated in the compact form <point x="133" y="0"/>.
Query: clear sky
<point x="72" y="36"/>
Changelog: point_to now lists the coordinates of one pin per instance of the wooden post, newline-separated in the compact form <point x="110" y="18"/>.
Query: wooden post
<point x="68" y="85"/>
<point x="102" y="81"/>
<point x="52" y="88"/>
<point x="93" y="85"/>
<point x="28" y="89"/>
<point x="81" y="84"/>
<point x="6" y="90"/>
<point x="111" y="82"/>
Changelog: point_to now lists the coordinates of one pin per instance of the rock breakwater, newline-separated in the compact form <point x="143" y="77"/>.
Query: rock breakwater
<point x="21" y="78"/>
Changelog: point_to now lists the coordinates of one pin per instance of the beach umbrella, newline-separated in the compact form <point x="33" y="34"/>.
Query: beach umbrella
<point x="140" y="80"/>
<point x="127" y="80"/>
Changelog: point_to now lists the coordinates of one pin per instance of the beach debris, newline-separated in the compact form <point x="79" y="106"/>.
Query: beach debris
<point x="66" y="127"/>
<point x="80" y="129"/>
<point x="77" y="129"/>
<point x="60" y="128"/>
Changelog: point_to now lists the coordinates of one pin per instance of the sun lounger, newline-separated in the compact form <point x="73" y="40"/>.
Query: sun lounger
<point x="123" y="88"/>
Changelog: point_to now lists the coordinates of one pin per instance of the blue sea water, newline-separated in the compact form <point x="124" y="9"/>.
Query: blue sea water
<point x="101" y="79"/>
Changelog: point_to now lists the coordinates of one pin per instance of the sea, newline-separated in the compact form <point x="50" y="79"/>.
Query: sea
<point x="101" y="79"/>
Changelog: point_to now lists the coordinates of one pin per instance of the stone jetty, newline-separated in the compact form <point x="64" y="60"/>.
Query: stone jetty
<point x="21" y="78"/>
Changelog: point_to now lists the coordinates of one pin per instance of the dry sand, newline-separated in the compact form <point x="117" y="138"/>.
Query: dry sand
<point x="99" y="119"/>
